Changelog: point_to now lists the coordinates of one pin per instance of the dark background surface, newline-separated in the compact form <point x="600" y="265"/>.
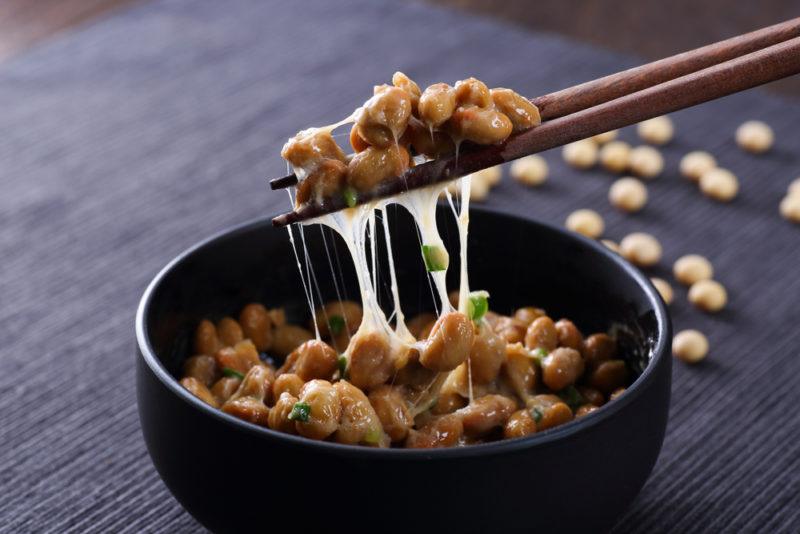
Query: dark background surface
<point x="649" y="29"/>
<point x="128" y="140"/>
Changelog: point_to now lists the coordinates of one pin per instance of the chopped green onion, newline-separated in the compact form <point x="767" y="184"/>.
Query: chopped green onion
<point x="436" y="258"/>
<point x="537" y="414"/>
<point x="432" y="404"/>
<point x="300" y="412"/>
<point x="336" y="324"/>
<point x="478" y="305"/>
<point x="342" y="363"/>
<point x="572" y="397"/>
<point x="232" y="373"/>
<point x="373" y="435"/>
<point x="539" y="354"/>
<point x="350" y="196"/>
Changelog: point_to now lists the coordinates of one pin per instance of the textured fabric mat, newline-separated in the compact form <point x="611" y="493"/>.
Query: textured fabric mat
<point x="126" y="141"/>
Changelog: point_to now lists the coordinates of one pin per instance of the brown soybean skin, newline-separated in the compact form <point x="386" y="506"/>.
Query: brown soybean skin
<point x="374" y="165"/>
<point x="479" y="125"/>
<point x="542" y="334"/>
<point x="313" y="359"/>
<point x="325" y="410"/>
<point x="609" y="375"/>
<point x="519" y="370"/>
<point x="391" y="408"/>
<point x="324" y="182"/>
<point x="287" y="383"/>
<point x="257" y="325"/>
<point x="511" y="329"/>
<point x="437" y="104"/>
<point x="206" y="340"/>
<point x="472" y="92"/>
<point x="552" y="410"/>
<point x="519" y="424"/>
<point x="486" y="414"/>
<point x="199" y="390"/>
<point x="201" y="367"/>
<point x="383" y="118"/>
<point x="229" y="332"/>
<point x="431" y="144"/>
<point x="348" y="311"/>
<point x="528" y="314"/>
<point x="358" y="421"/>
<point x="356" y="141"/>
<point x="410" y="87"/>
<point x="449" y="343"/>
<point x="224" y="388"/>
<point x="288" y="337"/>
<point x="370" y="362"/>
<point x="561" y="368"/>
<point x="418" y="323"/>
<point x="519" y="110"/>
<point x="593" y="396"/>
<point x="241" y="357"/>
<point x="278" y="418"/>
<point x="307" y="149"/>
<point x="442" y="431"/>
<point x="598" y="348"/>
<point x="364" y="408"/>
<point x="569" y="335"/>
<point x="486" y="356"/>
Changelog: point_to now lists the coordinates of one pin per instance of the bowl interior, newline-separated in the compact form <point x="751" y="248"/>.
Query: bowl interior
<point x="520" y="263"/>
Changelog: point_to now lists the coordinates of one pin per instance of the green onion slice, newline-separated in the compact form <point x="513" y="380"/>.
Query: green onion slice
<point x="232" y="373"/>
<point x="539" y="354"/>
<point x="336" y="324"/>
<point x="373" y="435"/>
<point x="342" y="363"/>
<point x="478" y="305"/>
<point x="537" y="414"/>
<point x="350" y="196"/>
<point x="572" y="397"/>
<point x="436" y="258"/>
<point x="300" y="412"/>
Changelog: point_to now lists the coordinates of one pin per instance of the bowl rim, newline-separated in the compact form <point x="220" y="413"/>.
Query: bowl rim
<point x="659" y="352"/>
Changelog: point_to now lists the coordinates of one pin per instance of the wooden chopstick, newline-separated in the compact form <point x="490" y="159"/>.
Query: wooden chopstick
<point x="751" y="70"/>
<point x="601" y="90"/>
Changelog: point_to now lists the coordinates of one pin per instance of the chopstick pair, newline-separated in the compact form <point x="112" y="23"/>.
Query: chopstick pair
<point x="608" y="103"/>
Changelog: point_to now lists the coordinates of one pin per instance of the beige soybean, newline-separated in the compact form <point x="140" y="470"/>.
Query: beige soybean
<point x="586" y="222"/>
<point x="708" y="295"/>
<point x="790" y="207"/>
<point x="605" y="137"/>
<point x="491" y="176"/>
<point x="755" y="137"/>
<point x="580" y="154"/>
<point x="615" y="156"/>
<point x="628" y="194"/>
<point x="646" y="162"/>
<point x="690" y="346"/>
<point x="530" y="170"/>
<point x="479" y="188"/>
<point x="658" y="130"/>
<point x="719" y="184"/>
<point x="692" y="268"/>
<point x="794" y="187"/>
<point x="664" y="289"/>
<point x="694" y="164"/>
<point x="641" y="249"/>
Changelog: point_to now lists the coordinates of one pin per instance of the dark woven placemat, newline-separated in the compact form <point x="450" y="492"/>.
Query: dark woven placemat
<point x="124" y="142"/>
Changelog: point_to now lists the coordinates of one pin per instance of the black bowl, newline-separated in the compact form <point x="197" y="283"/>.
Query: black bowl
<point x="234" y="476"/>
